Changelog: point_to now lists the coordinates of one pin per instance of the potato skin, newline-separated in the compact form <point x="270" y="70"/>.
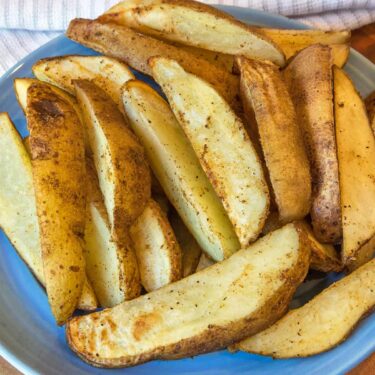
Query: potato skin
<point x="58" y="164"/>
<point x="309" y="79"/>
<point x="135" y="49"/>
<point x="280" y="137"/>
<point x="208" y="339"/>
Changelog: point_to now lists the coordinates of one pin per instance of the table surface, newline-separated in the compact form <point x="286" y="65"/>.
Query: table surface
<point x="363" y="40"/>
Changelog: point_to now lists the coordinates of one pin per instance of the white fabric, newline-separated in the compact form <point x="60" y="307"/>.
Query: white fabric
<point x="27" y="24"/>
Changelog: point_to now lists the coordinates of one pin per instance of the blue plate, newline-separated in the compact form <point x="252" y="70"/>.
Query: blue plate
<point x="29" y="338"/>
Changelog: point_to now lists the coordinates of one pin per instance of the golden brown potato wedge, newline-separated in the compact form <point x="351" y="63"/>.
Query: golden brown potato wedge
<point x="106" y="258"/>
<point x="135" y="49"/>
<point x="158" y="252"/>
<point x="21" y="86"/>
<point x="356" y="154"/>
<point x="191" y="251"/>
<point x="178" y="20"/>
<point x="178" y="170"/>
<point x="124" y="175"/>
<point x="293" y="41"/>
<point x="320" y="324"/>
<point x="280" y="136"/>
<point x="222" y="145"/>
<point x="88" y="300"/>
<point x="194" y="315"/>
<point x="123" y="172"/>
<point x="108" y="73"/>
<point x="204" y="262"/>
<point x="370" y="107"/>
<point x="58" y="165"/>
<point x="309" y="79"/>
<point x="324" y="257"/>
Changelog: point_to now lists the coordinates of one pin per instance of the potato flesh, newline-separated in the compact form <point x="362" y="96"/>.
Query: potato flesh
<point x="157" y="250"/>
<point x="18" y="216"/>
<point x="101" y="259"/>
<point x="119" y="159"/>
<point x="222" y="145"/>
<point x="356" y="154"/>
<point x="227" y="295"/>
<point x="221" y="34"/>
<point x="319" y="325"/>
<point x="174" y="163"/>
<point x="106" y="72"/>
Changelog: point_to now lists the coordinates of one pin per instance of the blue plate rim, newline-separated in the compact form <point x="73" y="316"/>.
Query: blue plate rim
<point x="8" y="354"/>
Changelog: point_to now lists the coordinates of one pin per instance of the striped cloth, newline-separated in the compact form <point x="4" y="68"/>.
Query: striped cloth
<point x="27" y="24"/>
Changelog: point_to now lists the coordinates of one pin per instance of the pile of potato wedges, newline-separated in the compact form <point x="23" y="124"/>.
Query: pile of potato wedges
<point x="192" y="214"/>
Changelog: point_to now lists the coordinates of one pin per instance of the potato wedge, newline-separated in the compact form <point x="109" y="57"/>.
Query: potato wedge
<point x="106" y="72"/>
<point x="18" y="217"/>
<point x="21" y="86"/>
<point x="194" y="315"/>
<point x="88" y="300"/>
<point x="356" y="154"/>
<point x="324" y="257"/>
<point x="293" y="41"/>
<point x="58" y="166"/>
<point x="204" y="262"/>
<point x="106" y="258"/>
<point x="213" y="29"/>
<point x="158" y="252"/>
<point x="177" y="168"/>
<point x="309" y="79"/>
<point x="222" y="145"/>
<point x="191" y="251"/>
<point x="124" y="175"/>
<point x="135" y="49"/>
<point x="370" y="107"/>
<point x="318" y="326"/>
<point x="280" y="136"/>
